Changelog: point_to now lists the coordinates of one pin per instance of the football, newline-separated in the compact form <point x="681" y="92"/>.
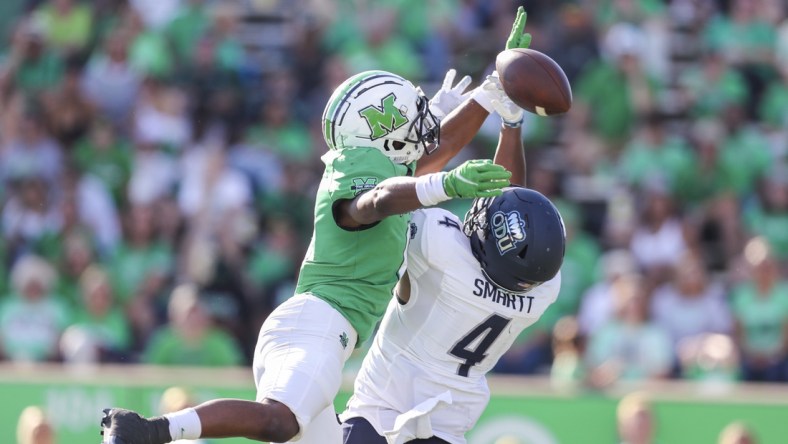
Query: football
<point x="534" y="81"/>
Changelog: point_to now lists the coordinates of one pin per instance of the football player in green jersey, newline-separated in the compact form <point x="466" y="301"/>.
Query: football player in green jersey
<point x="376" y="125"/>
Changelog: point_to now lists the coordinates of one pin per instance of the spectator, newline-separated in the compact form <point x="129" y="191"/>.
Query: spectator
<point x="747" y="41"/>
<point x="280" y="132"/>
<point x="190" y="338"/>
<point x="635" y="419"/>
<point x="658" y="240"/>
<point x="100" y="331"/>
<point x="67" y="110"/>
<point x="655" y="155"/>
<point x="155" y="14"/>
<point x="597" y="305"/>
<point x="273" y="262"/>
<point x="140" y="265"/>
<point x="105" y="155"/>
<point x="32" y="153"/>
<point x="154" y="174"/>
<point x="110" y="81"/>
<point x="65" y="24"/>
<point x="760" y="311"/>
<point x="93" y="209"/>
<point x="160" y="116"/>
<point x="711" y="360"/>
<point x="578" y="271"/>
<point x="34" y="427"/>
<point x="76" y="255"/>
<point x="767" y="215"/>
<point x="216" y="103"/>
<point x="599" y="86"/>
<point x="567" y="370"/>
<point x="228" y="50"/>
<point x="149" y="51"/>
<point x="369" y="41"/>
<point x="744" y="153"/>
<point x="629" y="347"/>
<point x="691" y="303"/>
<point x="31" y="66"/>
<point x="737" y="433"/>
<point x="189" y="24"/>
<point x="708" y="176"/>
<point x="712" y="86"/>
<point x="32" y="318"/>
<point x="31" y="217"/>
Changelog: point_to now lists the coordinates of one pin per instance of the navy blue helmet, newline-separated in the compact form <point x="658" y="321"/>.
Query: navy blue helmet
<point x="518" y="238"/>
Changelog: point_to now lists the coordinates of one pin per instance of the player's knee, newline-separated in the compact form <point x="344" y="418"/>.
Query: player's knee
<point x="278" y="424"/>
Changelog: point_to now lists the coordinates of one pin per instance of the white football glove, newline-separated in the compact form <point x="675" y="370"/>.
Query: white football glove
<point x="491" y="97"/>
<point x="448" y="98"/>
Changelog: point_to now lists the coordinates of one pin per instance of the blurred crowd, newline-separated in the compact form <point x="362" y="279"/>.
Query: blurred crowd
<point x="159" y="160"/>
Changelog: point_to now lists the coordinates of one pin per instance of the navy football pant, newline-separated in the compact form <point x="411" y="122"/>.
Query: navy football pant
<point x="360" y="431"/>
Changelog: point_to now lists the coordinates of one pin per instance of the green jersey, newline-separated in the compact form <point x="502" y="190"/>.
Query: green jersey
<point x="354" y="270"/>
<point x="762" y="318"/>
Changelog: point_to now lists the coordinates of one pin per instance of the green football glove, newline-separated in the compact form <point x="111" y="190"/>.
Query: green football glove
<point x="518" y="38"/>
<point x="476" y="178"/>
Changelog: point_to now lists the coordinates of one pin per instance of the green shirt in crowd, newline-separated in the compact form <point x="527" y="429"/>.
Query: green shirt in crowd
<point x="355" y="271"/>
<point x="111" y="165"/>
<point x="672" y="161"/>
<point x="744" y="156"/>
<point x="69" y="31"/>
<point x="112" y="330"/>
<point x="771" y="225"/>
<point x="604" y="88"/>
<point x="773" y="108"/>
<point x="762" y="317"/>
<point x="215" y="349"/>
<point x="129" y="267"/>
<point x="30" y="330"/>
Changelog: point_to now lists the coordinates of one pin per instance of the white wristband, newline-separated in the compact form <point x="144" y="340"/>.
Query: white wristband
<point x="429" y="189"/>
<point x="184" y="424"/>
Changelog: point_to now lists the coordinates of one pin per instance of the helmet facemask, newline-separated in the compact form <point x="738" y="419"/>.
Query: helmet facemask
<point x="426" y="128"/>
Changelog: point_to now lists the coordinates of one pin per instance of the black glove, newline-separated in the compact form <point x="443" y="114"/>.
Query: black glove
<point x="121" y="426"/>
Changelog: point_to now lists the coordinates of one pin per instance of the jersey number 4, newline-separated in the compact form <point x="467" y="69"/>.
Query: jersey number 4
<point x="488" y="331"/>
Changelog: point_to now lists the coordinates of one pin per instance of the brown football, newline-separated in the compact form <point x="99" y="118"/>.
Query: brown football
<point x="534" y="81"/>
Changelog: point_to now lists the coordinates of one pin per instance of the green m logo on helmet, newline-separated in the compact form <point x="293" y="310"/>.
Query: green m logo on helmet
<point x="384" y="120"/>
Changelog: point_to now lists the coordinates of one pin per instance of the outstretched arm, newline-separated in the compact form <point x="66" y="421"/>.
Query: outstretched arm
<point x="509" y="153"/>
<point x="461" y="123"/>
<point x="399" y="195"/>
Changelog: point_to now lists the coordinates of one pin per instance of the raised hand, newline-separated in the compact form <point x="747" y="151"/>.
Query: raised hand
<point x="449" y="97"/>
<point x="518" y="38"/>
<point x="511" y="114"/>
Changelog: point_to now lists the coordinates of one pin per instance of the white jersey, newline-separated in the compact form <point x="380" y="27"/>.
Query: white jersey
<point x="429" y="358"/>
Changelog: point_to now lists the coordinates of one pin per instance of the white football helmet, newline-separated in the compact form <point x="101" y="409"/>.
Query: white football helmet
<point x="378" y="109"/>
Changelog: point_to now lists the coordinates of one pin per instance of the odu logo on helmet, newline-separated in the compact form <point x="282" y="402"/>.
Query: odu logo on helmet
<point x="384" y="120"/>
<point x="508" y="229"/>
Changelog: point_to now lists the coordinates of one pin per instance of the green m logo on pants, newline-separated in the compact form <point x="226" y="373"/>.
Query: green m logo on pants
<point x="384" y="120"/>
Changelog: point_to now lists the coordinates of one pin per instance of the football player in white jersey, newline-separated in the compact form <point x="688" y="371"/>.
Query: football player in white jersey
<point x="471" y="287"/>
